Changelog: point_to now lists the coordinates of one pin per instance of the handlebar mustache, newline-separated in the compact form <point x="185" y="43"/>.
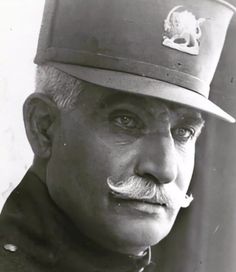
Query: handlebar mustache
<point x="144" y="189"/>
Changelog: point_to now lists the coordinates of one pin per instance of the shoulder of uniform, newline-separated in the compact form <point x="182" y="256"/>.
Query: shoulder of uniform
<point x="13" y="258"/>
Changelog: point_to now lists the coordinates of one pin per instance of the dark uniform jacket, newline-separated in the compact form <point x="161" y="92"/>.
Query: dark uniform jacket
<point x="36" y="236"/>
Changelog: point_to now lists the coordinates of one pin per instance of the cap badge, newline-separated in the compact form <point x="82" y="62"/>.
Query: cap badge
<point x="182" y="31"/>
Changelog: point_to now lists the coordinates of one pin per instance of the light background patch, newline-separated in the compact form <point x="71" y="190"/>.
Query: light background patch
<point x="19" y="27"/>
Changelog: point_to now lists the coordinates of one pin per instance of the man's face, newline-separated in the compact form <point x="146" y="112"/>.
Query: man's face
<point x="118" y="135"/>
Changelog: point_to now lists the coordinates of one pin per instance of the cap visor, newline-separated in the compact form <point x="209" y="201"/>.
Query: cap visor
<point x="145" y="86"/>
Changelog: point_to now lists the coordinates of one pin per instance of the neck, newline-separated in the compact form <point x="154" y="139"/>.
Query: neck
<point x="39" y="167"/>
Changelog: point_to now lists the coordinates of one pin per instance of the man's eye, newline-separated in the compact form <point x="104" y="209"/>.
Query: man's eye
<point x="183" y="134"/>
<point x="126" y="121"/>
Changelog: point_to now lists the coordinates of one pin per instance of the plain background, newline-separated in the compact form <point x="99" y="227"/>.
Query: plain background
<point x="19" y="26"/>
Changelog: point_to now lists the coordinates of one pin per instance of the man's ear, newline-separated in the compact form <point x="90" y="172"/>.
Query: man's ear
<point x="39" y="117"/>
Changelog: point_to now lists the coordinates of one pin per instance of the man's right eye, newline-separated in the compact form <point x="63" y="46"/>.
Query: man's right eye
<point x="126" y="121"/>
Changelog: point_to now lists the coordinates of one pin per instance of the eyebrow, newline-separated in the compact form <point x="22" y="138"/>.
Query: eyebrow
<point x="194" y="119"/>
<point x="198" y="120"/>
<point x="119" y="97"/>
<point x="189" y="115"/>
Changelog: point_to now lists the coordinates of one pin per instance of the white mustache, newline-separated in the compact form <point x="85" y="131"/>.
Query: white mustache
<point x="144" y="189"/>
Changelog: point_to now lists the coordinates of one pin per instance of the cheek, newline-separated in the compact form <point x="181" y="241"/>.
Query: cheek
<point x="80" y="168"/>
<point x="186" y="159"/>
<point x="100" y="153"/>
<point x="81" y="156"/>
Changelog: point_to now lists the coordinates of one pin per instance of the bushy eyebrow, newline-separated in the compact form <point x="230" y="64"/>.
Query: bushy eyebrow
<point x="199" y="122"/>
<point x="119" y="97"/>
<point x="185" y="114"/>
<point x="189" y="114"/>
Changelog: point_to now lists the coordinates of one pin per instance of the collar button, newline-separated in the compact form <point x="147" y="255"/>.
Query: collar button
<point x="10" y="248"/>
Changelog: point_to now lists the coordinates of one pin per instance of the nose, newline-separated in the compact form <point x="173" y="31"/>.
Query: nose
<point x="157" y="159"/>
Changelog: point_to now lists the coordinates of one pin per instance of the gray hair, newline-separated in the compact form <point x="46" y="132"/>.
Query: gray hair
<point x="62" y="88"/>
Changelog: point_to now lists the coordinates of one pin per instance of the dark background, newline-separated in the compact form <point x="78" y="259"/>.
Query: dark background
<point x="204" y="236"/>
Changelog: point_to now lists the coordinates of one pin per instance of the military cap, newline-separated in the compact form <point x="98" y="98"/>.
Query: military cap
<point x="165" y="49"/>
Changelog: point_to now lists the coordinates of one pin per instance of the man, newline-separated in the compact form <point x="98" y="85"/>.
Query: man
<point x="121" y="90"/>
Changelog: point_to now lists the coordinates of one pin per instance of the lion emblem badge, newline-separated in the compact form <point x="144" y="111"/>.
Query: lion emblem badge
<point x="183" y="31"/>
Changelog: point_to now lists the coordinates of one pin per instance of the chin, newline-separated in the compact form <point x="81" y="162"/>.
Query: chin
<point x="151" y="233"/>
<point x="134" y="236"/>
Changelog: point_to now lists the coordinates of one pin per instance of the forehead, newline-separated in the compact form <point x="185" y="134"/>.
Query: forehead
<point x="101" y="97"/>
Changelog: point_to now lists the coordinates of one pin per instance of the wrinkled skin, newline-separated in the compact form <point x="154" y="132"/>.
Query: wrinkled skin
<point x="117" y="134"/>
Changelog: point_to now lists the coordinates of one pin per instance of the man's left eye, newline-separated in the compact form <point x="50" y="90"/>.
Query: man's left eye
<point x="183" y="134"/>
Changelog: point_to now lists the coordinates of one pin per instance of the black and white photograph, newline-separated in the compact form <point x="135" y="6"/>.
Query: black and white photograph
<point x="118" y="136"/>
